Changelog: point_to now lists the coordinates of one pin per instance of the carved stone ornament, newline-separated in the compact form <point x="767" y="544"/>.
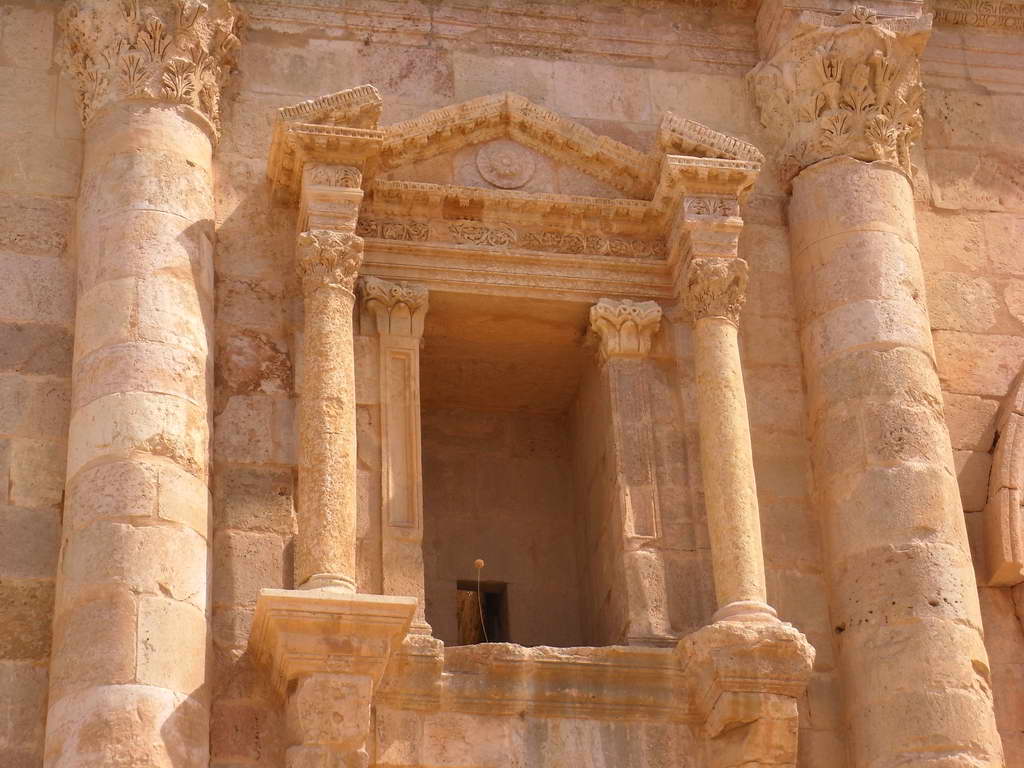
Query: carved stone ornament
<point x="177" y="51"/>
<point x="399" y="308"/>
<point x="335" y="176"/>
<point x="625" y="327"/>
<point x="844" y="85"/>
<point x="327" y="257"/>
<point x="505" y="164"/>
<point x="716" y="287"/>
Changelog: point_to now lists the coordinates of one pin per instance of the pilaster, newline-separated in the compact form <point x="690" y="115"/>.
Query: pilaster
<point x="625" y="330"/>
<point x="398" y="310"/>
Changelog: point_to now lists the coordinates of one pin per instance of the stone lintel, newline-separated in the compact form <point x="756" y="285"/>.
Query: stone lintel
<point x="303" y="632"/>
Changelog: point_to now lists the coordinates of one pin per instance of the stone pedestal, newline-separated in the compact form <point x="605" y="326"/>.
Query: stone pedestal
<point x="326" y="652"/>
<point x="748" y="677"/>
<point x="128" y="674"/>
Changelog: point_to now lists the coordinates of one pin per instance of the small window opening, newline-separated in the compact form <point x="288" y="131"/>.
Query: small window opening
<point x="483" y="615"/>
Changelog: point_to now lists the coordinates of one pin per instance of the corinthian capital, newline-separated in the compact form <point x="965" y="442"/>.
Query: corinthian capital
<point x="625" y="327"/>
<point x="716" y="287"/>
<point x="844" y="85"/>
<point x="326" y="257"/>
<point x="399" y="308"/>
<point x="177" y="51"/>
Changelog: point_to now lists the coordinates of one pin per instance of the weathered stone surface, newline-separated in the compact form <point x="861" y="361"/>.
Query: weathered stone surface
<point x="585" y="496"/>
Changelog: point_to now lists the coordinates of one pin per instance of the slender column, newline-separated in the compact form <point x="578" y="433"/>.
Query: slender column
<point x="399" y="310"/>
<point x="325" y="549"/>
<point x="127" y="682"/>
<point x="904" y="600"/>
<point x="715" y="292"/>
<point x="626" y="329"/>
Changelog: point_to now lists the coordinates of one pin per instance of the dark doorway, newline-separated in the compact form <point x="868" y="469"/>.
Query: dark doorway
<point x="483" y="614"/>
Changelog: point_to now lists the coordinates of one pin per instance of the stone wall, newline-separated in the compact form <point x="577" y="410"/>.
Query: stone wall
<point x="612" y="67"/>
<point x="40" y="156"/>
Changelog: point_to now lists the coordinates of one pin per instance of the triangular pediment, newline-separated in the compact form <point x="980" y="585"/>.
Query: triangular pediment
<point x="500" y="120"/>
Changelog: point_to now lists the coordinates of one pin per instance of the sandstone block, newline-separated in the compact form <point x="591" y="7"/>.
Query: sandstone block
<point x="94" y="643"/>
<point x="36" y="226"/>
<point x="140" y="422"/>
<point x="239" y="731"/>
<point x="145" y="243"/>
<point x="971" y="420"/>
<point x="34" y="407"/>
<point x="243" y="430"/>
<point x="105" y="314"/>
<point x="863" y="323"/>
<point x="33" y="348"/>
<point x="171" y="651"/>
<point x="40" y="164"/>
<point x="37" y="469"/>
<point x="134" y="726"/>
<point x="962" y="302"/>
<point x="244" y="563"/>
<point x="1002" y="237"/>
<point x="29" y="543"/>
<point x="26" y="609"/>
<point x="231" y="627"/>
<point x="141" y="367"/>
<point x="904" y="432"/>
<point x="36" y="289"/>
<point x="22" y="709"/>
<point x="977" y="364"/>
<point x="172" y="311"/>
<point x="255" y="499"/>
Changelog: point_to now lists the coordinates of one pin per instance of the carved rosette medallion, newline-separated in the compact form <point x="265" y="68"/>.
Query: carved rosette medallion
<point x="716" y="287"/>
<point x="844" y="85"/>
<point x="505" y="164"/>
<point x="177" y="51"/>
<point x="327" y="257"/>
<point x="399" y="308"/>
<point x="625" y="327"/>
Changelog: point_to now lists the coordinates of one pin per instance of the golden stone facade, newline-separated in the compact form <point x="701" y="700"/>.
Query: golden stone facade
<point x="482" y="384"/>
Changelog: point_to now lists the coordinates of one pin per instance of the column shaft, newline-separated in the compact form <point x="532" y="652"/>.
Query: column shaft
<point x="904" y="597"/>
<point x="130" y="625"/>
<point x="325" y="550"/>
<point x="730" y="495"/>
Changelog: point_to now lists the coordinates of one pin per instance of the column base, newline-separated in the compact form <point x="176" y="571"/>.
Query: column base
<point x="746" y="610"/>
<point x="308" y="631"/>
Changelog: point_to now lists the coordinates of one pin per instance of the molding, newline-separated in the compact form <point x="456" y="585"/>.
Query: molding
<point x="172" y="51"/>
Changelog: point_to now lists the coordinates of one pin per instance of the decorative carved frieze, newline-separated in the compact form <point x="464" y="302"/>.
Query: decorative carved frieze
<point x="336" y="176"/>
<point x="178" y="51"/>
<point x="476" y="233"/>
<point x="716" y="287"/>
<point x="625" y="327"/>
<point x="844" y="85"/>
<point x="1004" y="16"/>
<point x="326" y="257"/>
<point x="385" y="229"/>
<point x="399" y="308"/>
<point x="711" y="207"/>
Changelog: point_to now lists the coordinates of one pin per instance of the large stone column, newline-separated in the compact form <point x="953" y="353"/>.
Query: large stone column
<point x="127" y="682"/>
<point x="843" y="94"/>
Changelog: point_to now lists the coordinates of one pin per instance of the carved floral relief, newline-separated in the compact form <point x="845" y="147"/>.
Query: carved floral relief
<point x="178" y="51"/>
<point x="848" y="85"/>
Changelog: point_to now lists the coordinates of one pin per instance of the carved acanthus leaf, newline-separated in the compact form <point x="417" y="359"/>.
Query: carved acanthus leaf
<point x="327" y="257"/>
<point x="399" y="308"/>
<point x="716" y="287"/>
<point x="847" y="85"/>
<point x="178" y="51"/>
<point x="625" y="327"/>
